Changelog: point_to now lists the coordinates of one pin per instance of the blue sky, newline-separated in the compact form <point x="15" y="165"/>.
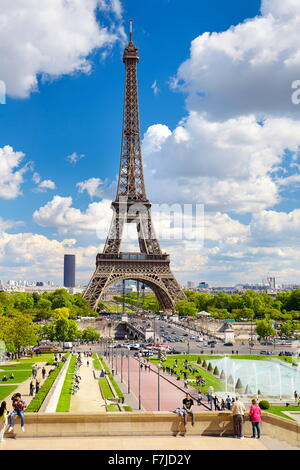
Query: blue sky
<point x="220" y="130"/>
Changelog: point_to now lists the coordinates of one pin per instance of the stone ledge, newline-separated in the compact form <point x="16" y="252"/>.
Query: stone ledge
<point x="150" y="424"/>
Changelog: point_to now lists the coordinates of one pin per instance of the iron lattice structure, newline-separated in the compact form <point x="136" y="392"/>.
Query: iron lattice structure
<point x="150" y="266"/>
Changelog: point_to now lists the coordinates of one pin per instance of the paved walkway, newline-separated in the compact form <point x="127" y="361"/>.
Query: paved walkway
<point x="142" y="443"/>
<point x="88" y="399"/>
<point x="170" y="396"/>
<point x="23" y="388"/>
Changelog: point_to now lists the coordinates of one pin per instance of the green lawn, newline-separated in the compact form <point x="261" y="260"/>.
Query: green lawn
<point x="211" y="381"/>
<point x="6" y="390"/>
<point x="277" y="410"/>
<point x="19" y="376"/>
<point x="66" y="391"/>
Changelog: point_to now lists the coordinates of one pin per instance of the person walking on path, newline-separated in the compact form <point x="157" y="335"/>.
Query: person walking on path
<point x="255" y="418"/>
<point x="19" y="407"/>
<point x="187" y="406"/>
<point x="3" y="420"/>
<point x="43" y="373"/>
<point x="37" y="386"/>
<point x="238" y="411"/>
<point x="31" y="389"/>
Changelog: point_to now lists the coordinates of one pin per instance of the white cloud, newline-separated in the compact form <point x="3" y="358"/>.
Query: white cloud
<point x="35" y="257"/>
<point x="155" y="88"/>
<point x="60" y="214"/>
<point x="74" y="157"/>
<point x="228" y="166"/>
<point x="248" y="68"/>
<point x="93" y="186"/>
<point x="51" y="38"/>
<point x="11" y="174"/>
<point x="276" y="228"/>
<point x="42" y="185"/>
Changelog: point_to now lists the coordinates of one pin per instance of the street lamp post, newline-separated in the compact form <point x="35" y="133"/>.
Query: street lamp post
<point x="128" y="381"/>
<point x="122" y="354"/>
<point x="139" y="365"/>
<point x="158" y="387"/>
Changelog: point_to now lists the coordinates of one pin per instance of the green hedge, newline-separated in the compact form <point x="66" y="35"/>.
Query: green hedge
<point x="64" y="401"/>
<point x="97" y="365"/>
<point x="38" y="400"/>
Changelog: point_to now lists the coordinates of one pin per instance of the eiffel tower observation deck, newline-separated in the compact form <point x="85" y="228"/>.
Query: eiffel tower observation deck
<point x="131" y="205"/>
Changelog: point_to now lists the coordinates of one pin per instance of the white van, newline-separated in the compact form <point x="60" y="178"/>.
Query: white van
<point x="68" y="345"/>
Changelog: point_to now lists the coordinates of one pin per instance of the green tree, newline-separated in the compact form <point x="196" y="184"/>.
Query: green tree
<point x="90" y="334"/>
<point x="18" y="332"/>
<point x="264" y="328"/>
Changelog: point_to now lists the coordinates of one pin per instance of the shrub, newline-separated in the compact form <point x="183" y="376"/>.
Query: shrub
<point x="259" y="392"/>
<point x="210" y="367"/>
<point x="199" y="360"/>
<point x="222" y="376"/>
<point x="38" y="400"/>
<point x="238" y="385"/>
<point x="264" y="405"/>
<point x="216" y="371"/>
<point x="204" y="364"/>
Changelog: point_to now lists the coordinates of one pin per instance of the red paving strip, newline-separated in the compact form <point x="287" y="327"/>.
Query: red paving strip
<point x="170" y="396"/>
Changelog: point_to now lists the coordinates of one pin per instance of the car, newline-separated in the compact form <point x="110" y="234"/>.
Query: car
<point x="267" y="343"/>
<point x="228" y="344"/>
<point x="266" y="353"/>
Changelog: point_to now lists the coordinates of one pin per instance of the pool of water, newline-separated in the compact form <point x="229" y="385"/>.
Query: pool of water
<point x="270" y="377"/>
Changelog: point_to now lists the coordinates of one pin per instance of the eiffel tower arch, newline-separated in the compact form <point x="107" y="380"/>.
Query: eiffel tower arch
<point x="150" y="266"/>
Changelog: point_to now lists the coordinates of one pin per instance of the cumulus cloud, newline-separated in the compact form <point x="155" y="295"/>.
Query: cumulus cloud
<point x="248" y="68"/>
<point x="60" y="214"/>
<point x="25" y="255"/>
<point x="42" y="185"/>
<point x="93" y="186"/>
<point x="276" y="228"/>
<point x="226" y="165"/>
<point x="51" y="39"/>
<point x="11" y="172"/>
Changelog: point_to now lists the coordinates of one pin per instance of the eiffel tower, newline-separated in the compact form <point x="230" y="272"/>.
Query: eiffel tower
<point x="150" y="266"/>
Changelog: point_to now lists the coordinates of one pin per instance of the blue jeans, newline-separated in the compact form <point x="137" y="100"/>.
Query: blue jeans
<point x="256" y="428"/>
<point x="12" y="417"/>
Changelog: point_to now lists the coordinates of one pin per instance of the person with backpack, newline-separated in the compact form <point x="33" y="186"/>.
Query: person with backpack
<point x="3" y="420"/>
<point x="19" y="407"/>
<point x="255" y="418"/>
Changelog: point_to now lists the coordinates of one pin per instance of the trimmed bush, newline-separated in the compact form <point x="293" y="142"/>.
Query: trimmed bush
<point x="210" y="367"/>
<point x="216" y="371"/>
<point x="264" y="405"/>
<point x="230" y="380"/>
<point x="238" y="385"/>
<point x="259" y="392"/>
<point x="204" y="364"/>
<point x="199" y="360"/>
<point x="66" y="391"/>
<point x="38" y="400"/>
<point x="222" y="376"/>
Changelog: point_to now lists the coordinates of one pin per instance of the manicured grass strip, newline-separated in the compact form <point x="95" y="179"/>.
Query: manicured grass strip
<point x="95" y="356"/>
<point x="113" y="382"/>
<point x="127" y="408"/>
<point x="64" y="401"/>
<point x="112" y="408"/>
<point x="105" y="389"/>
<point x="19" y="376"/>
<point x="96" y="364"/>
<point x="277" y="410"/>
<point x="6" y="390"/>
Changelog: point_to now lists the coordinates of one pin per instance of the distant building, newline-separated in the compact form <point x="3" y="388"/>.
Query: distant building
<point x="69" y="270"/>
<point x="203" y="285"/>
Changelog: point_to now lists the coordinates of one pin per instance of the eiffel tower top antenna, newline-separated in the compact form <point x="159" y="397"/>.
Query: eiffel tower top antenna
<point x="130" y="34"/>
